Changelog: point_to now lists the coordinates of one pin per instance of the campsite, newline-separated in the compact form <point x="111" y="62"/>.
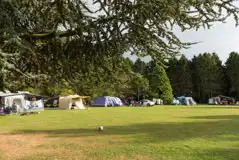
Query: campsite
<point x="119" y="80"/>
<point x="69" y="127"/>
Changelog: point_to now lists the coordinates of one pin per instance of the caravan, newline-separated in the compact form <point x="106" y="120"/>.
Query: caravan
<point x="22" y="102"/>
<point x="221" y="100"/>
<point x="158" y="101"/>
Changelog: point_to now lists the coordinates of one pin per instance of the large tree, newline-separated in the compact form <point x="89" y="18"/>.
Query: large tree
<point x="44" y="42"/>
<point x="68" y="35"/>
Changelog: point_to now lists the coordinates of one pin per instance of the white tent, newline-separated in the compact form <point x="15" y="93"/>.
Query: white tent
<point x="190" y="101"/>
<point x="71" y="102"/>
<point x="214" y="100"/>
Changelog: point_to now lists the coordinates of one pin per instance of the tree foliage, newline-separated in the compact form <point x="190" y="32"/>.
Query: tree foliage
<point x="232" y="73"/>
<point x="202" y="77"/>
<point x="139" y="66"/>
<point x="69" y="35"/>
<point x="78" y="44"/>
<point x="160" y="86"/>
<point x="207" y="76"/>
<point x="180" y="75"/>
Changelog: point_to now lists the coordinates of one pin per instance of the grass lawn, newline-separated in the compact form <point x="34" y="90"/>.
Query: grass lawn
<point x="160" y="133"/>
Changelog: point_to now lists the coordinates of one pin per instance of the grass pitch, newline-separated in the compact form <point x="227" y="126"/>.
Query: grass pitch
<point x="160" y="133"/>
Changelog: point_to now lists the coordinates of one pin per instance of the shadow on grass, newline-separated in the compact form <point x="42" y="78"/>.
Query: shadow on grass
<point x="221" y="154"/>
<point x="156" y="132"/>
<point x="212" y="107"/>
<point x="218" y="117"/>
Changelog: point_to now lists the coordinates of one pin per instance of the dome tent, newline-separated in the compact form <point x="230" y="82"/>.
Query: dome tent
<point x="107" y="101"/>
<point x="186" y="100"/>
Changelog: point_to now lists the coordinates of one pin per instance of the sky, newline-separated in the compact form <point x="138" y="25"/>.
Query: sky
<point x="222" y="39"/>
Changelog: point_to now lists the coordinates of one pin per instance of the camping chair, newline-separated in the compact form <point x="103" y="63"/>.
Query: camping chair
<point x="7" y="110"/>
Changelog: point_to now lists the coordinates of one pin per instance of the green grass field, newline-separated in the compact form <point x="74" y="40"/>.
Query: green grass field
<point x="160" y="133"/>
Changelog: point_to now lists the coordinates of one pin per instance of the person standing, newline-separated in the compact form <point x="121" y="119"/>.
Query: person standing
<point x="14" y="107"/>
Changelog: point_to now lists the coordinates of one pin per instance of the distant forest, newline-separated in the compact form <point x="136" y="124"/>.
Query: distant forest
<point x="205" y="76"/>
<point x="202" y="77"/>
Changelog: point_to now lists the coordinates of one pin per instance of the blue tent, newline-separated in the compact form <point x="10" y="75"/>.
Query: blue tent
<point x="186" y="100"/>
<point x="181" y="99"/>
<point x="107" y="101"/>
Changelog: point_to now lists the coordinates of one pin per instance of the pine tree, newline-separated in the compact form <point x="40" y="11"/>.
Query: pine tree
<point x="207" y="76"/>
<point x="139" y="66"/>
<point x="160" y="85"/>
<point x="180" y="76"/>
<point x="232" y="72"/>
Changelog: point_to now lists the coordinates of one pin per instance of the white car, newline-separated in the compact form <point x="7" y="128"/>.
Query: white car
<point x="147" y="102"/>
<point x="176" y="102"/>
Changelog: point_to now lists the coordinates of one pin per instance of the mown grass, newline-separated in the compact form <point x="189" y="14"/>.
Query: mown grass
<point x="160" y="133"/>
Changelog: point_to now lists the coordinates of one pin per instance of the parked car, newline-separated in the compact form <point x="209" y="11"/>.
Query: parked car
<point x="147" y="102"/>
<point x="176" y="102"/>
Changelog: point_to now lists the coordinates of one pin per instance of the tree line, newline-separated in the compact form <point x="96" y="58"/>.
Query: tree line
<point x="204" y="76"/>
